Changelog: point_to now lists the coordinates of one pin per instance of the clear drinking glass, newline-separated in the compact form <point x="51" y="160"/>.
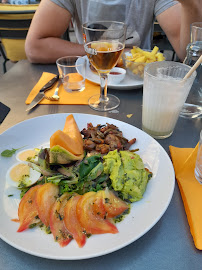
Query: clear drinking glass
<point x="104" y="42"/>
<point x="70" y="69"/>
<point x="196" y="32"/>
<point x="193" y="106"/>
<point x="198" y="168"/>
<point x="164" y="94"/>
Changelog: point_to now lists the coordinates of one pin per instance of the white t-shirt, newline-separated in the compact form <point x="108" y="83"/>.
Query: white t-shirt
<point x="139" y="15"/>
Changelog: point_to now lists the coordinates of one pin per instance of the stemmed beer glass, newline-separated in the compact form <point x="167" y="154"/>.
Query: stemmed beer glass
<point x="104" y="42"/>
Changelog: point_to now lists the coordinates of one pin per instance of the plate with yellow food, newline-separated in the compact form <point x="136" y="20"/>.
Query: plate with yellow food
<point x="136" y="59"/>
<point x="133" y="61"/>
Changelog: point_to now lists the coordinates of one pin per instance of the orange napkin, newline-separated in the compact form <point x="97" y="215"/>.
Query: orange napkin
<point x="184" y="160"/>
<point x="65" y="97"/>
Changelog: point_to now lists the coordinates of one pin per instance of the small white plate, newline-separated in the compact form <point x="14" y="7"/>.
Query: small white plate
<point x="143" y="215"/>
<point x="128" y="83"/>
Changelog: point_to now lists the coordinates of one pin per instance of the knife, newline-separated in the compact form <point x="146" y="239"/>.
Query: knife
<point x="40" y="95"/>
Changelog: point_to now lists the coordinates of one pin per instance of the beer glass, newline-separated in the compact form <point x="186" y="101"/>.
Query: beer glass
<point x="104" y="42"/>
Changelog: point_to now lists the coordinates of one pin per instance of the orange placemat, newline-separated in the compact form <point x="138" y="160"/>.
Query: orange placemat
<point x="184" y="160"/>
<point x="65" y="97"/>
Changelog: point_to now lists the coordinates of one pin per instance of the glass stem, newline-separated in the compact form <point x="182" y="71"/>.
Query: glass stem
<point x="103" y="87"/>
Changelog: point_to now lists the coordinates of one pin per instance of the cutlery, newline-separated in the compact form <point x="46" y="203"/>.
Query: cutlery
<point x="55" y="96"/>
<point x="41" y="93"/>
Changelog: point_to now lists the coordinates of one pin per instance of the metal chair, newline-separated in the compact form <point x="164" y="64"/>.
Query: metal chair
<point x="14" y="24"/>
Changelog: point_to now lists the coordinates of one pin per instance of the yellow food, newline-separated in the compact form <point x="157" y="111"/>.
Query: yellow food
<point x="72" y="130"/>
<point x="65" y="141"/>
<point x="19" y="171"/>
<point x="26" y="155"/>
<point x="139" y="58"/>
<point x="70" y="138"/>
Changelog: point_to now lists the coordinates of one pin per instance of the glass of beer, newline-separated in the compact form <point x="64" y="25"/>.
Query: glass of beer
<point x="104" y="42"/>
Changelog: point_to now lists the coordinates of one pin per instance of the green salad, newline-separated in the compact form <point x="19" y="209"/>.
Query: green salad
<point x="122" y="171"/>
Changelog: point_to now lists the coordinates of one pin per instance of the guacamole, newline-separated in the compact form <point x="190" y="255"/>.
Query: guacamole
<point x="127" y="173"/>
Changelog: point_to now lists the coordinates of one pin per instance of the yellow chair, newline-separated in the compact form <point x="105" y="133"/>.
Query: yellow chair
<point x="14" y="24"/>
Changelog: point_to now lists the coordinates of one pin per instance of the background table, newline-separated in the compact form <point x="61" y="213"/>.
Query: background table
<point x="168" y="245"/>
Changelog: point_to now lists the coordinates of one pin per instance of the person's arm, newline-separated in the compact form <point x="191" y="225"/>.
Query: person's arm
<point x="176" y="21"/>
<point x="43" y="43"/>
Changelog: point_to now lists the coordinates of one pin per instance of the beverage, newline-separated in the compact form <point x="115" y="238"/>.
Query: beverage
<point x="161" y="107"/>
<point x="103" y="55"/>
<point x="68" y="68"/>
<point x="74" y="82"/>
<point x="104" y="42"/>
<point x="164" y="94"/>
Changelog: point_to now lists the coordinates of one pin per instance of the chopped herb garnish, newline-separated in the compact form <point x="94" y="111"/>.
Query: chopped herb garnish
<point x="121" y="217"/>
<point x="107" y="200"/>
<point x="32" y="225"/>
<point x="61" y="217"/>
<point x="47" y="230"/>
<point x="10" y="195"/>
<point x="23" y="191"/>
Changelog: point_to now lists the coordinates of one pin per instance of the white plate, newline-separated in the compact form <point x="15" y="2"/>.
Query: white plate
<point x="128" y="83"/>
<point x="143" y="216"/>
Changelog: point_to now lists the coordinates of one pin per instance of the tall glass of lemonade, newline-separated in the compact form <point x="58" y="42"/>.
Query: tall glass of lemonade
<point x="164" y="93"/>
<point x="104" y="42"/>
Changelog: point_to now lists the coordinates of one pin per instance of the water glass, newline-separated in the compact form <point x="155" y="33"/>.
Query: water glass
<point x="196" y="32"/>
<point x="72" y="71"/>
<point x="164" y="94"/>
<point x="193" y="106"/>
<point x="198" y="168"/>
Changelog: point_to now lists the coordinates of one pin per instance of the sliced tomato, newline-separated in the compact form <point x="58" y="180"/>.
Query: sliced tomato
<point x="45" y="198"/>
<point x="71" y="221"/>
<point x="98" y="205"/>
<point x="92" y="222"/>
<point x="113" y="205"/>
<point x="27" y="211"/>
<point x="57" y="226"/>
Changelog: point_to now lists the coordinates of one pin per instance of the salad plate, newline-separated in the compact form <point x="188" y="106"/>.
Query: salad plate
<point x="128" y="83"/>
<point x="144" y="214"/>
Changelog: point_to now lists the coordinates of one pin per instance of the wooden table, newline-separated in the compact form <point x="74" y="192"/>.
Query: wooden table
<point x="168" y="245"/>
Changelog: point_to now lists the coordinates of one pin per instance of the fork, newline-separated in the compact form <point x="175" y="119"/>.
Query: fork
<point x="55" y="96"/>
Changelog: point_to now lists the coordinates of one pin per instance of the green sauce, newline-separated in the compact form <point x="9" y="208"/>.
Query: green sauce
<point x="122" y="216"/>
